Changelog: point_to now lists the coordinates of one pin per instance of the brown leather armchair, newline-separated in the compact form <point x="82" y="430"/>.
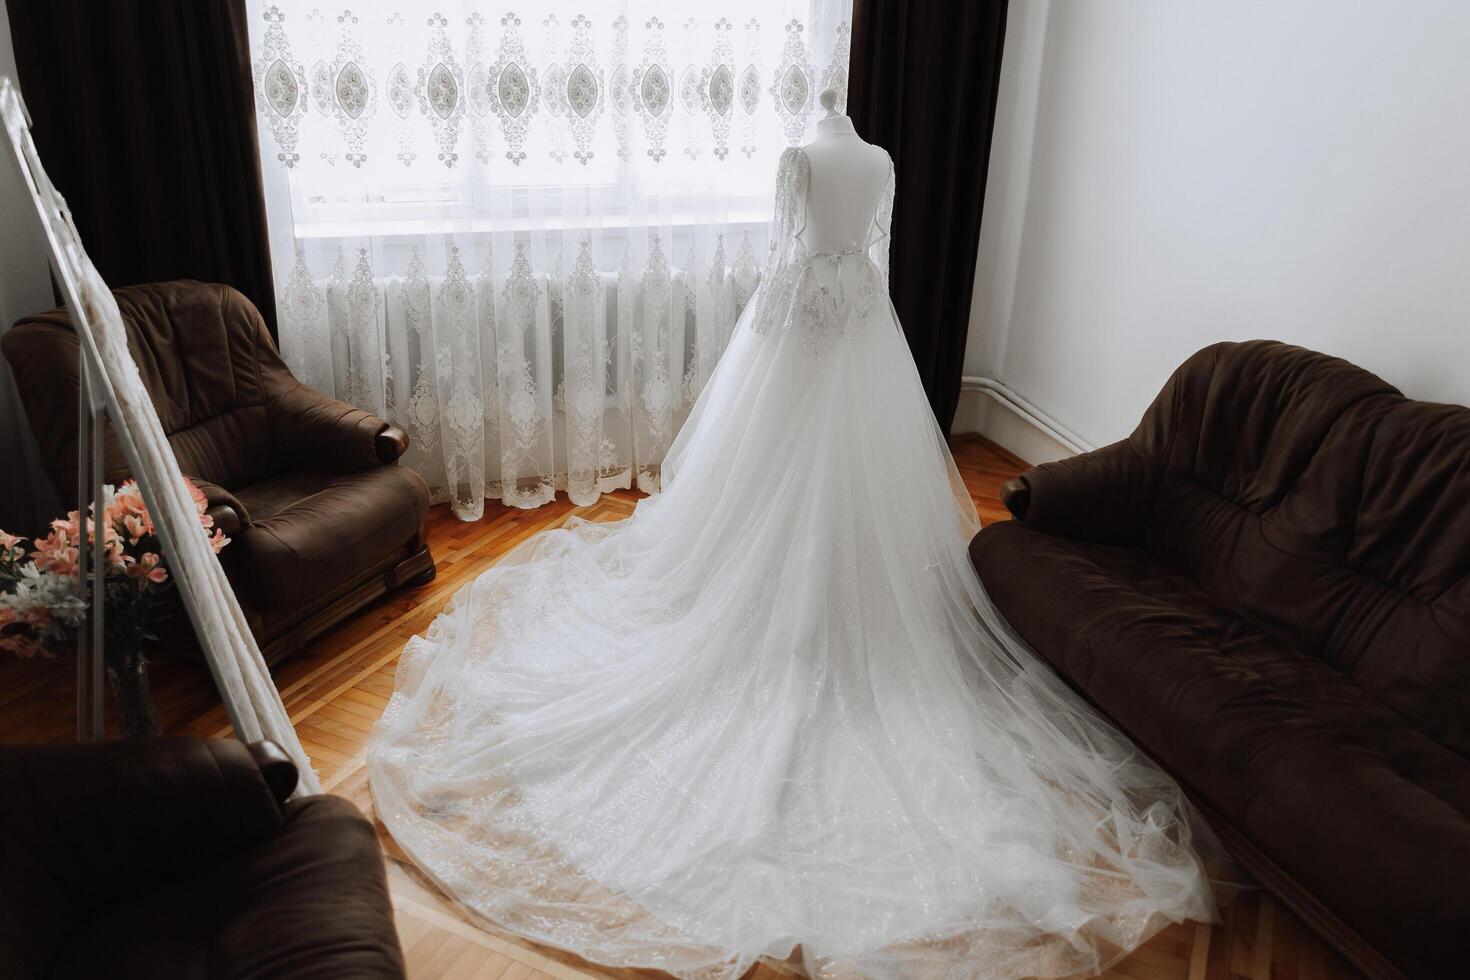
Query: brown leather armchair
<point x="322" y="522"/>
<point x="178" y="858"/>
<point x="1267" y="586"/>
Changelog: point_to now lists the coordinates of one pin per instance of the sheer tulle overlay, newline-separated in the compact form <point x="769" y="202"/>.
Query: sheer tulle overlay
<point x="775" y="708"/>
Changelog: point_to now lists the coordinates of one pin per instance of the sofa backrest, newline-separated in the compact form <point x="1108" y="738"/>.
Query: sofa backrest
<point x="1315" y="500"/>
<point x="205" y="357"/>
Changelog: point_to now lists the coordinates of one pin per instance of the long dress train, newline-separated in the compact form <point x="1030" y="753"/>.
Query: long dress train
<point x="774" y="706"/>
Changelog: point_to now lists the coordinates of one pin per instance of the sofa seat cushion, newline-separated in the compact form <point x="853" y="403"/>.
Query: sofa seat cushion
<point x="312" y="532"/>
<point x="1336" y="788"/>
<point x="312" y="902"/>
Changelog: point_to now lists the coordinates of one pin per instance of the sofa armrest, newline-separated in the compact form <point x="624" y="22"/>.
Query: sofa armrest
<point x="1104" y="496"/>
<point x="90" y="824"/>
<point x="230" y="515"/>
<point x="317" y="432"/>
<point x="1015" y="496"/>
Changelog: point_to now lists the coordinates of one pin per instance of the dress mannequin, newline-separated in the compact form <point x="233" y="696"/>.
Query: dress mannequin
<point x="848" y="175"/>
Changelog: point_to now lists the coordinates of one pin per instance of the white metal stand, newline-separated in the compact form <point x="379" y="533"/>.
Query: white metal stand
<point x="91" y="462"/>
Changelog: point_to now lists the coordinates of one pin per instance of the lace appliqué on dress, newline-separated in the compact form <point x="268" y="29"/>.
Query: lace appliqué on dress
<point x="829" y="294"/>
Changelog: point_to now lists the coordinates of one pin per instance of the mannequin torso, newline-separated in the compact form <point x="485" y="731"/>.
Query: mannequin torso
<point x="828" y="265"/>
<point x="848" y="176"/>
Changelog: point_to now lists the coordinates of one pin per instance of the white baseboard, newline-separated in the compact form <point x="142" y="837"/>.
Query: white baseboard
<point x="992" y="410"/>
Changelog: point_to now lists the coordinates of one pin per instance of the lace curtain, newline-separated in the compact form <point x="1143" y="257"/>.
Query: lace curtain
<point x="525" y="234"/>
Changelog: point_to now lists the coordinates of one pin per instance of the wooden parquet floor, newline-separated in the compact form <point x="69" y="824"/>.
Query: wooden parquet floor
<point x="336" y="689"/>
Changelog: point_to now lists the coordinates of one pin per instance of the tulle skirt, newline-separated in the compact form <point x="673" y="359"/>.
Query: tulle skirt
<point x="775" y="709"/>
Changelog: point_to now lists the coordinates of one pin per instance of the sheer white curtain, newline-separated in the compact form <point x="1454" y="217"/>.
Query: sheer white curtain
<point x="525" y="232"/>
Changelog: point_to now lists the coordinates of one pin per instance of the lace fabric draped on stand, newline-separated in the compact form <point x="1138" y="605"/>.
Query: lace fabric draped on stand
<point x="244" y="682"/>
<point x="793" y="288"/>
<point x="775" y="708"/>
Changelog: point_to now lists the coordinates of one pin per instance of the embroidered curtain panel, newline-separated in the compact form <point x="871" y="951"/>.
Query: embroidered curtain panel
<point x="526" y="233"/>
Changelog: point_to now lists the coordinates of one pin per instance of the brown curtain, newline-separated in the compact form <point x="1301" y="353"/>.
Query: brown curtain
<point x="923" y="84"/>
<point x="143" y="114"/>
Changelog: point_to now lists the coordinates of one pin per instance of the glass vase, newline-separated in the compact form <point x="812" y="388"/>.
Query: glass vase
<point x="136" y="713"/>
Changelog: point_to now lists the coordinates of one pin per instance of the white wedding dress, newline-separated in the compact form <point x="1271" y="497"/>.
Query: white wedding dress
<point x="775" y="707"/>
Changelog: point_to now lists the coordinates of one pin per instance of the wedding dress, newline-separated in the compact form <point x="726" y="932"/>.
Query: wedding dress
<point x="774" y="708"/>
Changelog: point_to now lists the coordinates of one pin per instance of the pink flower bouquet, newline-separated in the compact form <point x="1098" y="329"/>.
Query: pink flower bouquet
<point x="43" y="598"/>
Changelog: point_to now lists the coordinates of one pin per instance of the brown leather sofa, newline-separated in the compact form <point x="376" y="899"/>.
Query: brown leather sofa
<point x="178" y="858"/>
<point x="1267" y="586"/>
<point x="322" y="522"/>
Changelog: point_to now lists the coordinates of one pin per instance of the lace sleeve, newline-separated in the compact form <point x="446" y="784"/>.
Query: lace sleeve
<point x="787" y="221"/>
<point x="883" y="220"/>
<point x="789" y="214"/>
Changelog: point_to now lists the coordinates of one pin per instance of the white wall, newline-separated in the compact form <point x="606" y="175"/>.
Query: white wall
<point x="1169" y="173"/>
<point x="27" y="500"/>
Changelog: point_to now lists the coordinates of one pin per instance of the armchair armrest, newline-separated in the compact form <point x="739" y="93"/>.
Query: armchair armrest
<point x="391" y="443"/>
<point x="276" y="768"/>
<point x="228" y="511"/>
<point x="1103" y="496"/>
<point x="89" y="824"/>
<point x="323" y="433"/>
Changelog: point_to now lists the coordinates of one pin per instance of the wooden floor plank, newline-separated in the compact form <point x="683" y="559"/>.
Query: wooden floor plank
<point x="340" y="684"/>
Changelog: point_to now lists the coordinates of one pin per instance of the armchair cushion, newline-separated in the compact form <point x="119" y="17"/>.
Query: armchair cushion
<point x="312" y="531"/>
